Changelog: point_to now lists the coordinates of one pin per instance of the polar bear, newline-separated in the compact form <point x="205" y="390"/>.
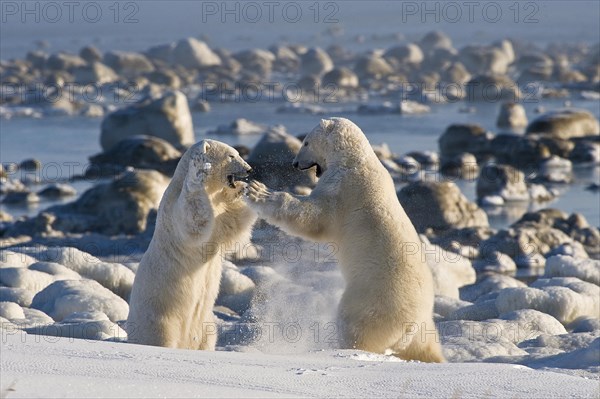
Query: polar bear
<point x="387" y="305"/>
<point x="201" y="216"/>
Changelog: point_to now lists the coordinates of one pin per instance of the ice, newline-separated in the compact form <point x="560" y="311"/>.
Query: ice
<point x="62" y="298"/>
<point x="567" y="266"/>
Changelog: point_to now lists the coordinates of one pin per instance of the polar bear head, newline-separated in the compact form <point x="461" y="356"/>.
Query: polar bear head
<point x="211" y="163"/>
<point x="335" y="141"/>
<point x="222" y="164"/>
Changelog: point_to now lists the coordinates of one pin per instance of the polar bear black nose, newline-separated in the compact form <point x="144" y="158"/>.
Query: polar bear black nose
<point x="295" y="164"/>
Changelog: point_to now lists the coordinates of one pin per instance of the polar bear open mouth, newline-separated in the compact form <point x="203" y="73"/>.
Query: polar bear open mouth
<point x="231" y="179"/>
<point x="319" y="169"/>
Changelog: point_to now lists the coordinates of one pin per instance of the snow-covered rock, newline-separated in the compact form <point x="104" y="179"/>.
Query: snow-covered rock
<point x="450" y="270"/>
<point x="114" y="276"/>
<point x="82" y="325"/>
<point x="63" y="298"/>
<point x="488" y="283"/>
<point x="167" y="117"/>
<point x="564" y="298"/>
<point x="567" y="266"/>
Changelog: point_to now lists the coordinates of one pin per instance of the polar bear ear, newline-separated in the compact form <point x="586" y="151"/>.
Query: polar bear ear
<point x="327" y="125"/>
<point x="205" y="146"/>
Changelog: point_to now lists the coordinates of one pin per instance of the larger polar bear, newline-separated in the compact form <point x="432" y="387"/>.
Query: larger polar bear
<point x="201" y="216"/>
<point x="387" y="306"/>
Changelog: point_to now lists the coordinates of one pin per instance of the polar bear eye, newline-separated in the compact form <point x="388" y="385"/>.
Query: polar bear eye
<point x="231" y="158"/>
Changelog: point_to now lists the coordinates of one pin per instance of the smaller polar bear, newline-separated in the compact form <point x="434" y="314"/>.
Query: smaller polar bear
<point x="201" y="215"/>
<point x="387" y="306"/>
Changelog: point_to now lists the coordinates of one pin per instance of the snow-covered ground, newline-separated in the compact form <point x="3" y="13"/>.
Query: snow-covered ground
<point x="38" y="366"/>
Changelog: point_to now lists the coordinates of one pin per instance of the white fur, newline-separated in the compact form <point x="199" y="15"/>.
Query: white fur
<point x="200" y="217"/>
<point x="388" y="302"/>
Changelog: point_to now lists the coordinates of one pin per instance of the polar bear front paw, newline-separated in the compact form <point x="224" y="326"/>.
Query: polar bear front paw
<point x="232" y="193"/>
<point x="198" y="169"/>
<point x="257" y="192"/>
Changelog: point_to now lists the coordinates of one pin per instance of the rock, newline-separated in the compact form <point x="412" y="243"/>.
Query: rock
<point x="372" y="67"/>
<point x="444" y="305"/>
<point x="161" y="52"/>
<point x="435" y="40"/>
<point x="585" y="152"/>
<point x="565" y="124"/>
<point x="492" y="88"/>
<point x="567" y="266"/>
<point x="405" y="107"/>
<point x="94" y="73"/>
<point x="316" y="62"/>
<point x="556" y="170"/>
<point x="120" y="206"/>
<point x="463" y="166"/>
<point x="492" y="60"/>
<point x="57" y="190"/>
<point x="30" y="165"/>
<point x="528" y="151"/>
<point x="256" y="60"/>
<point x="486" y="284"/>
<point x="90" y="54"/>
<point x="21" y="197"/>
<point x="164" y="77"/>
<point x="64" y="62"/>
<point x="340" y="78"/>
<point x="526" y="243"/>
<point x="512" y="115"/>
<point x="439" y="206"/>
<point x="503" y="181"/>
<point x="461" y="138"/>
<point x="167" y="117"/>
<point x="236" y="290"/>
<point x="63" y="298"/>
<point x="240" y="127"/>
<point x="405" y="54"/>
<point x="456" y="73"/>
<point x="450" y="271"/>
<point x="194" y="54"/>
<point x="127" y="63"/>
<point x="286" y="60"/>
<point x="91" y="325"/>
<point x="144" y="152"/>
<point x="201" y="105"/>
<point x="495" y="262"/>
<point x="566" y="298"/>
<point x="271" y="159"/>
<point x="483" y="310"/>
<point x="20" y="296"/>
<point x="37" y="58"/>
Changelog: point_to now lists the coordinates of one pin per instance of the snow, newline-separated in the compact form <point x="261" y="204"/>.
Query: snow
<point x="34" y="366"/>
<point x="547" y="325"/>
